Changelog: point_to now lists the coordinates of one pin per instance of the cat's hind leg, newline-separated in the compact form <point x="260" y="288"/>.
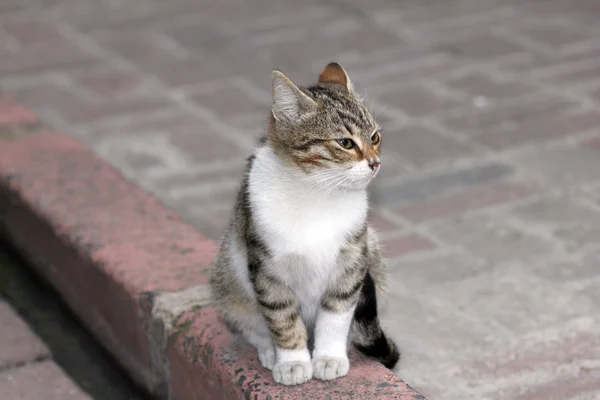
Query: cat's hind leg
<point x="254" y="329"/>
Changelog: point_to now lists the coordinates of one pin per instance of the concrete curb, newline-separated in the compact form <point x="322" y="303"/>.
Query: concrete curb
<point x="135" y="274"/>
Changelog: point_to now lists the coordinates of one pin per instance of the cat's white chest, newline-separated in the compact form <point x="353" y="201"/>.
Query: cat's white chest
<point x="304" y="230"/>
<point x="314" y="229"/>
<point x="305" y="240"/>
<point x="297" y="220"/>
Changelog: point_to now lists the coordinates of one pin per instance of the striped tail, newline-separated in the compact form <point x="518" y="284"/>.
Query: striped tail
<point x="367" y="334"/>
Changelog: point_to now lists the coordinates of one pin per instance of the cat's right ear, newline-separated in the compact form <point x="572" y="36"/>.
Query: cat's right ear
<point x="289" y="102"/>
<point x="335" y="73"/>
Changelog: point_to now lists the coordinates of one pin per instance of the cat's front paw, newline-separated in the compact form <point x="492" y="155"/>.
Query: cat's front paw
<point x="267" y="358"/>
<point x="328" y="368"/>
<point x="293" y="372"/>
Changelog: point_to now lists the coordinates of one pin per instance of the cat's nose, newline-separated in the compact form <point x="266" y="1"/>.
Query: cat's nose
<point x="374" y="163"/>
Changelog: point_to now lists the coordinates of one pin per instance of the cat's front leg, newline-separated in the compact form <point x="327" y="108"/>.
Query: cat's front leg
<point x="330" y="355"/>
<point x="281" y="310"/>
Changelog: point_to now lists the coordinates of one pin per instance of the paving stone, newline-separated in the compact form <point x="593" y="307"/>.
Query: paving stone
<point x="153" y="159"/>
<point x="493" y="239"/>
<point x="30" y="33"/>
<point x="479" y="120"/>
<point x="330" y="40"/>
<point x="543" y="364"/>
<point x="517" y="301"/>
<point x="89" y="17"/>
<point x="203" y="179"/>
<point x="202" y="195"/>
<point x="11" y="6"/>
<point x="592" y="293"/>
<point x="140" y="48"/>
<point x="164" y="123"/>
<point x="43" y="380"/>
<point x="435" y="269"/>
<point x="14" y="114"/>
<point x="480" y="84"/>
<point x="37" y="60"/>
<point x="563" y="167"/>
<point x="278" y="15"/>
<point x="575" y="76"/>
<point x="482" y="47"/>
<point x="200" y="36"/>
<point x="76" y="108"/>
<point x="561" y="271"/>
<point x="243" y="15"/>
<point x="539" y="131"/>
<point x="435" y="318"/>
<point x="584" y="386"/>
<point x="555" y="36"/>
<point x="593" y="144"/>
<point x="554" y="64"/>
<point x="418" y="101"/>
<point x="18" y="344"/>
<point x="196" y="70"/>
<point x="383" y="225"/>
<point x="424" y="187"/>
<point x="419" y="13"/>
<point x="564" y="218"/>
<point x="209" y="145"/>
<point x="420" y="146"/>
<point x="114" y="83"/>
<point x="210" y="221"/>
<point x="401" y="245"/>
<point x="595" y="93"/>
<point x="377" y="73"/>
<point x="471" y="199"/>
<point x="231" y="99"/>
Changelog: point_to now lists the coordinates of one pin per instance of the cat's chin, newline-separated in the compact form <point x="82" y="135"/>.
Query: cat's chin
<point x="360" y="184"/>
<point x="359" y="187"/>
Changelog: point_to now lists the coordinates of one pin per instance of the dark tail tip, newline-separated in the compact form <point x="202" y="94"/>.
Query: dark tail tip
<point x="382" y="349"/>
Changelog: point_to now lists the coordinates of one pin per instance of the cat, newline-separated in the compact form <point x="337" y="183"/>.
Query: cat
<point x="298" y="264"/>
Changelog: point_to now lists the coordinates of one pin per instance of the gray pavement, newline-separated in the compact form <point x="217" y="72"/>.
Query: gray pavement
<point x="489" y="197"/>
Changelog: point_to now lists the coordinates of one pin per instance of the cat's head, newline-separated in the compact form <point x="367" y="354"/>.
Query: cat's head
<point x="325" y="130"/>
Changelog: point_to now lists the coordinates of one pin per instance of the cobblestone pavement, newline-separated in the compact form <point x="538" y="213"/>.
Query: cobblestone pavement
<point x="44" y="354"/>
<point x="489" y="198"/>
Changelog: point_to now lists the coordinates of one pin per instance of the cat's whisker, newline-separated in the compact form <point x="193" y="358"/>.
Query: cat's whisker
<point x="325" y="185"/>
<point x="322" y="178"/>
<point x="331" y="188"/>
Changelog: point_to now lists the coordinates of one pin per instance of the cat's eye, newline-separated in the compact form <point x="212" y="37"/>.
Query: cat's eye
<point x="346" y="143"/>
<point x="376" y="138"/>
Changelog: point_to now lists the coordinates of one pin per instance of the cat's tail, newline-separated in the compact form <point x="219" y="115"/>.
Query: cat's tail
<point x="367" y="334"/>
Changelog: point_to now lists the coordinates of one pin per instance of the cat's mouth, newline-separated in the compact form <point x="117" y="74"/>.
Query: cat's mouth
<point x="355" y="177"/>
<point x="362" y="179"/>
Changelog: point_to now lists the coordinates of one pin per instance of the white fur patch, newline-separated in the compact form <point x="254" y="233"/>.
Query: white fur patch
<point x="293" y="367"/>
<point x="331" y="334"/>
<point x="303" y="229"/>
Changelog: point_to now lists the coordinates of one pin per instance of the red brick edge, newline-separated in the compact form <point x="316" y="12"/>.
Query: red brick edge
<point x="135" y="274"/>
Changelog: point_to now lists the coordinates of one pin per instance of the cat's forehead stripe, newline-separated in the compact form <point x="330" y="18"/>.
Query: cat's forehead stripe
<point x="346" y="107"/>
<point x="350" y="117"/>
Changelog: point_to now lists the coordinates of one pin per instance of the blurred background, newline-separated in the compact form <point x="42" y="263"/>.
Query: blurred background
<point x="488" y="203"/>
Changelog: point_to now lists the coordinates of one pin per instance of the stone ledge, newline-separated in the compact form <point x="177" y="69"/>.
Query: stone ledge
<point x="201" y="349"/>
<point x="130" y="268"/>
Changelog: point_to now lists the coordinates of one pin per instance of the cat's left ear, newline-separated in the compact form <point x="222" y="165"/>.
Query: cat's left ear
<point x="289" y="102"/>
<point x="334" y="73"/>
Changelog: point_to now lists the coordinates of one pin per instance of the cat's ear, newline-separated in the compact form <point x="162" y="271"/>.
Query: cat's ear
<point x="289" y="102"/>
<point x="334" y="73"/>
